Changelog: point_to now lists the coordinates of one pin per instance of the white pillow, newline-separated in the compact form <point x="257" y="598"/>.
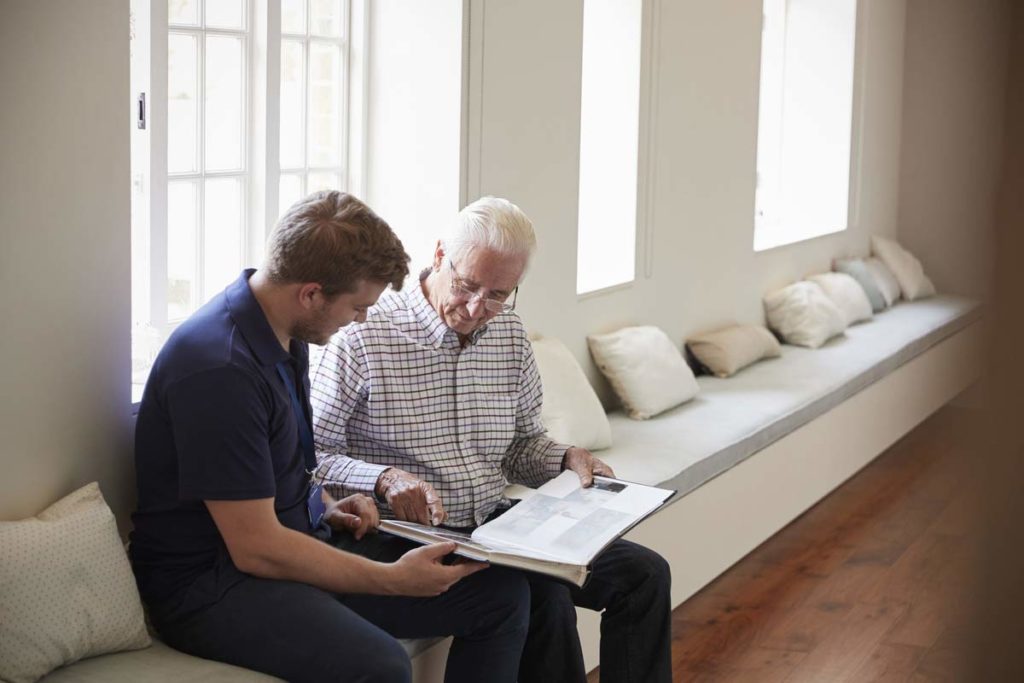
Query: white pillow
<point x="571" y="413"/>
<point x="847" y="294"/>
<point x="885" y="280"/>
<point x="803" y="315"/>
<point x="909" y="272"/>
<point x="727" y="351"/>
<point x="66" y="589"/>
<point x="645" y="369"/>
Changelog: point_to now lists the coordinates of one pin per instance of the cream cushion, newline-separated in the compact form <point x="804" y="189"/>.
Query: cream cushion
<point x="803" y="315"/>
<point x="909" y="272"/>
<point x="726" y="351"/>
<point x="886" y="281"/>
<point x="571" y="412"/>
<point x="66" y="589"/>
<point x="644" y="367"/>
<point x="848" y="296"/>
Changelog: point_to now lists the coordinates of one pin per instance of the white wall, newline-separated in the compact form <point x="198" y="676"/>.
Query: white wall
<point x="703" y="271"/>
<point x="64" y="252"/>
<point x="954" y="111"/>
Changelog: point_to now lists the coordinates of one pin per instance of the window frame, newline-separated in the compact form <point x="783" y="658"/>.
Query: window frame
<point x="261" y="171"/>
<point x="772" y="228"/>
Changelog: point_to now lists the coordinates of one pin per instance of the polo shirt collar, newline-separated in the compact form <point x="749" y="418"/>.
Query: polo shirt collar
<point x="252" y="322"/>
<point x="435" y="329"/>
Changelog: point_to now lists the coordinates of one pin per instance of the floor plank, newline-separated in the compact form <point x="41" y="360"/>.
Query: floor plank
<point x="868" y="585"/>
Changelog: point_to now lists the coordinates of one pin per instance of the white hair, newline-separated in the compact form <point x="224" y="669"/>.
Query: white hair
<point x="490" y="223"/>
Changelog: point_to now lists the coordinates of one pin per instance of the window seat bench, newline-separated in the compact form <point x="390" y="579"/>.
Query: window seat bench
<point x="747" y="456"/>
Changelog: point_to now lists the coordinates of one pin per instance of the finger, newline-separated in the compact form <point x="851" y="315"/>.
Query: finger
<point x="464" y="569"/>
<point x="435" y="551"/>
<point x="347" y="520"/>
<point x="437" y="513"/>
<point x="586" y="479"/>
<point x="372" y="515"/>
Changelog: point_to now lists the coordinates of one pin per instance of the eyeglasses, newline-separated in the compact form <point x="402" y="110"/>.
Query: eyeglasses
<point x="492" y="304"/>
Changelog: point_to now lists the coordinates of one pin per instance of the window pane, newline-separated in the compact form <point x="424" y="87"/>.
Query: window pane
<point x="324" y="104"/>
<point x="181" y="248"/>
<point x="609" y="135"/>
<point x="225" y="121"/>
<point x="222" y="232"/>
<point x="292" y="99"/>
<point x="183" y="12"/>
<point x="805" y="120"/>
<point x="293" y="16"/>
<point x="289" y="191"/>
<point x="325" y="18"/>
<point x="323" y="181"/>
<point x="225" y="14"/>
<point x="182" y="109"/>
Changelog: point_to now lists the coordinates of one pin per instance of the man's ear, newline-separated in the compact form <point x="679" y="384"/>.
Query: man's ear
<point x="307" y="294"/>
<point x="438" y="256"/>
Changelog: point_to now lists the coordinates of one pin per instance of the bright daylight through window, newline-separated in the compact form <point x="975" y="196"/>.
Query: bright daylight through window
<point x="609" y="143"/>
<point x="222" y="141"/>
<point x="805" y="120"/>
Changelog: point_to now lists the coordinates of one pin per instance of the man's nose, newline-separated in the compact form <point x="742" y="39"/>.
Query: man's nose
<point x="475" y="307"/>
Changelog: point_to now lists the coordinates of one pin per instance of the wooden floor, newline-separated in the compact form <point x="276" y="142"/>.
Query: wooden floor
<point x="868" y="585"/>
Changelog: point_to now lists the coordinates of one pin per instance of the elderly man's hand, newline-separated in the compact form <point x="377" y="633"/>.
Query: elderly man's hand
<point x="356" y="514"/>
<point x="411" y="499"/>
<point x="582" y="462"/>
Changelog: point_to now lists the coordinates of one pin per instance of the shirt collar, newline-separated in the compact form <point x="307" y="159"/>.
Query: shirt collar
<point x="435" y="328"/>
<point x="252" y="321"/>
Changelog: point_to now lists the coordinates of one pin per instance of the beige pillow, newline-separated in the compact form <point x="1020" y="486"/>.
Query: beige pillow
<point x="803" y="315"/>
<point x="848" y="296"/>
<point x="886" y="281"/>
<point x="572" y="413"/>
<point x="726" y="351"/>
<point x="66" y="589"/>
<point x="645" y="369"/>
<point x="909" y="272"/>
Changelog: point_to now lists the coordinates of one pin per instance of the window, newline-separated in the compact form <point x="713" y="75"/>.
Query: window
<point x="205" y="168"/>
<point x="805" y="120"/>
<point x="609" y="143"/>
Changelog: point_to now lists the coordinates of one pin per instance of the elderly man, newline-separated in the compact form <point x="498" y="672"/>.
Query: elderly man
<point x="433" y="406"/>
<point x="228" y="547"/>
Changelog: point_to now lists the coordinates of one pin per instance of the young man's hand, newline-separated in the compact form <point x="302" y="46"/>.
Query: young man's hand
<point x="411" y="499"/>
<point x="420" y="572"/>
<point x="356" y="514"/>
<point x="582" y="462"/>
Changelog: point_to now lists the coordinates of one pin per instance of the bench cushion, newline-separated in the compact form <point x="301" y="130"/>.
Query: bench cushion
<point x="160" y="663"/>
<point x="731" y="419"/>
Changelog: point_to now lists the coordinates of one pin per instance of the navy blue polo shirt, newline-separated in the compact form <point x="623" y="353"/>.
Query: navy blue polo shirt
<point x="216" y="423"/>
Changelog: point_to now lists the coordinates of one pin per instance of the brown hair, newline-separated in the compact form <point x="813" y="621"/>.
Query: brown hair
<point x="335" y="240"/>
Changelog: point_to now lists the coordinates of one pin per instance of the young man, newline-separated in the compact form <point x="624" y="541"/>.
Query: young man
<point x="433" y="405"/>
<point x="227" y="547"/>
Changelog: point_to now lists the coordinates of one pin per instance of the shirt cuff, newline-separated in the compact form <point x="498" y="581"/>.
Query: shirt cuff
<point x="553" y="457"/>
<point x="360" y="478"/>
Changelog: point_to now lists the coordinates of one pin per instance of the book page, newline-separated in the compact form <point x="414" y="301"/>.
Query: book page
<point x="572" y="524"/>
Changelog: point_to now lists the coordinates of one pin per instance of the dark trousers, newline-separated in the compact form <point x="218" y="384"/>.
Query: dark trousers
<point x="630" y="585"/>
<point x="301" y="633"/>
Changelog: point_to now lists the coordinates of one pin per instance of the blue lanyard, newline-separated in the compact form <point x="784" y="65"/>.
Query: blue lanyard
<point x="305" y="432"/>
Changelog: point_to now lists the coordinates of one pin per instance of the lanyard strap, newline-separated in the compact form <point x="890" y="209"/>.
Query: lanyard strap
<point x="305" y="432"/>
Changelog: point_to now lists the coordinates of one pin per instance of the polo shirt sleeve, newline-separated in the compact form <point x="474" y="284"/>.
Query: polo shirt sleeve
<point x="220" y="422"/>
<point x="338" y="384"/>
<point x="532" y="458"/>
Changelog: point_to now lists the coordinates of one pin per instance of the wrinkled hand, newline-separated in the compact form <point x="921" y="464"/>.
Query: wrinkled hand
<point x="411" y="499"/>
<point x="582" y="462"/>
<point x="356" y="514"/>
<point x="420" y="571"/>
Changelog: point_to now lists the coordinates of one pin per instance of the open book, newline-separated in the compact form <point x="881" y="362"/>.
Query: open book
<point x="557" y="530"/>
